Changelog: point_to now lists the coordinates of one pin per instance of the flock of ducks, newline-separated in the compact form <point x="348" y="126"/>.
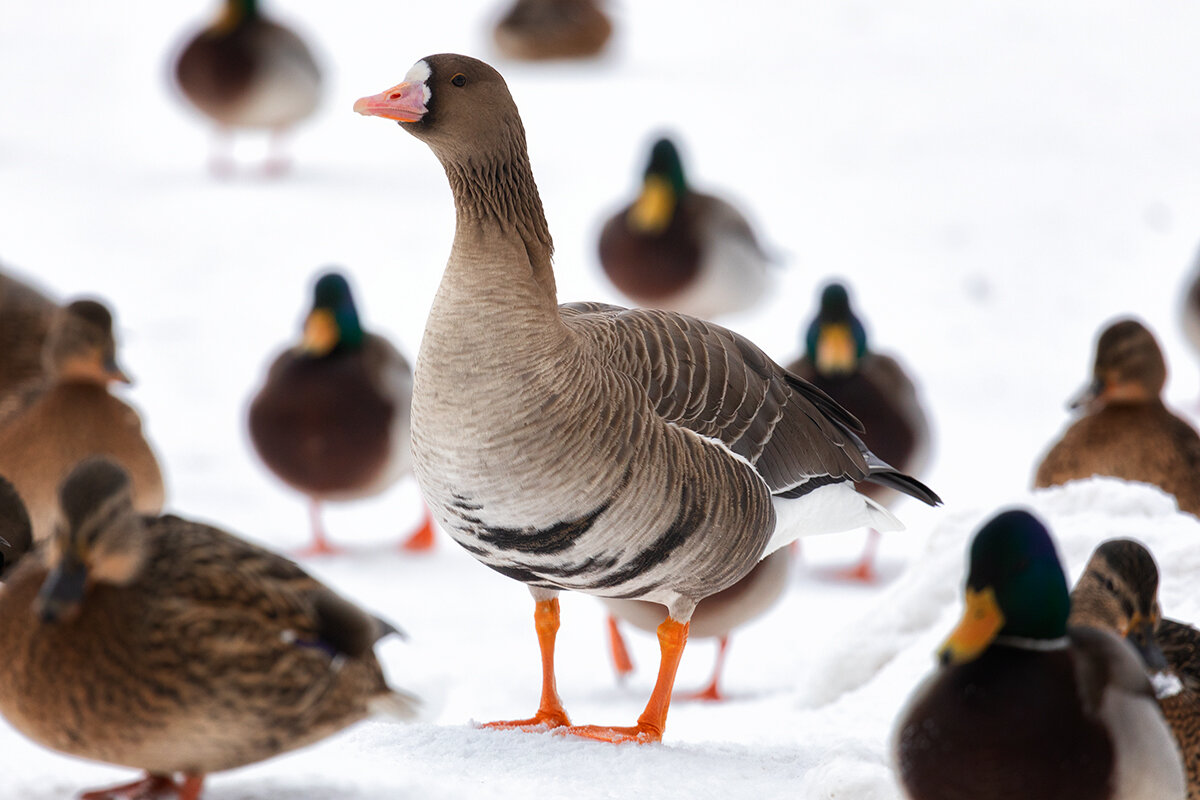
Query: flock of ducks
<point x="646" y="456"/>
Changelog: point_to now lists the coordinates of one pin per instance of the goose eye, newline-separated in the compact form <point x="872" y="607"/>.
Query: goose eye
<point x="459" y="80"/>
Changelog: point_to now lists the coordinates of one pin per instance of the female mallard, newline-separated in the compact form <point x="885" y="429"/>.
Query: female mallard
<point x="1023" y="706"/>
<point x="681" y="250"/>
<point x="716" y="616"/>
<point x="624" y="453"/>
<point x="331" y="419"/>
<point x="1118" y="592"/>
<point x="247" y="71"/>
<point x="871" y="386"/>
<point x="1126" y="431"/>
<point x="25" y="317"/>
<point x="175" y="647"/>
<point x="537" y="30"/>
<point x="57" y="423"/>
<point x="16" y="534"/>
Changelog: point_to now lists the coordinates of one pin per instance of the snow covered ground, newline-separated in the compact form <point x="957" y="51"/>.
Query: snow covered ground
<point x="995" y="180"/>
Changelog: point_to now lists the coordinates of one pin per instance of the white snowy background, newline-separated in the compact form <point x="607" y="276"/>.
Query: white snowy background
<point x="995" y="181"/>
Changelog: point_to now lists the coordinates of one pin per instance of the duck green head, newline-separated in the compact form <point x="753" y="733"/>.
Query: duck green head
<point x="1015" y="588"/>
<point x="233" y="14"/>
<point x="662" y="186"/>
<point x="836" y="340"/>
<point x="332" y="324"/>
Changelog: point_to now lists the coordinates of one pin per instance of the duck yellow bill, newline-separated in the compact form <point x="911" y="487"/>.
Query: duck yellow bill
<point x="980" y="624"/>
<point x="836" y="350"/>
<point x="320" y="333"/>
<point x="655" y="206"/>
<point x="404" y="102"/>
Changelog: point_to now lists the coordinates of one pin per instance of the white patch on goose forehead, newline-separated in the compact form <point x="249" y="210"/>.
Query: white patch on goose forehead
<point x="420" y="72"/>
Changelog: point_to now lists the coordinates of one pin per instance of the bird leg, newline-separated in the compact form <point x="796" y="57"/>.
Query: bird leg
<point x="711" y="692"/>
<point x="277" y="162"/>
<point x="151" y="787"/>
<point x="320" y="545"/>
<point x="422" y="540"/>
<point x="550" y="713"/>
<point x="220" y="159"/>
<point x="622" y="663"/>
<point x="672" y="636"/>
<point x="864" y="570"/>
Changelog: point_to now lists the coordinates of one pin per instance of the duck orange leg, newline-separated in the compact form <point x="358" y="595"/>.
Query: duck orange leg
<point x="422" y="540"/>
<point x="711" y="692"/>
<point x="151" y="787"/>
<point x="672" y="636"/>
<point x="864" y="570"/>
<point x="320" y="545"/>
<point x="550" y="713"/>
<point x="622" y="663"/>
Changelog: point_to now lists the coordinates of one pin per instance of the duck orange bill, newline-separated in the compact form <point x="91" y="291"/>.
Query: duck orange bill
<point x="980" y="624"/>
<point x="404" y="102"/>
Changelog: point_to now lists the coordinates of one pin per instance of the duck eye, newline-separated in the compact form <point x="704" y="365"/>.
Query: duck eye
<point x="1108" y="584"/>
<point x="459" y="80"/>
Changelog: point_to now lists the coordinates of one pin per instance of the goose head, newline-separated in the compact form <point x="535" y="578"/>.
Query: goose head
<point x="101" y="539"/>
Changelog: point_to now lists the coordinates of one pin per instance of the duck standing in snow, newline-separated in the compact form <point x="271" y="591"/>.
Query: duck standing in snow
<point x="1126" y="430"/>
<point x="175" y="647"/>
<point x="681" y="250"/>
<point x="331" y="419"/>
<point x="623" y="453"/>
<point x="873" y="387"/>
<point x="539" y="30"/>
<point x="55" y="423"/>
<point x="1023" y="706"/>
<point x="25" y="317"/>
<point x="245" y="71"/>
<point x="1118" y="592"/>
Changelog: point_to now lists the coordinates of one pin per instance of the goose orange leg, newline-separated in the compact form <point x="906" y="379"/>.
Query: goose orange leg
<point x="672" y="636"/>
<point x="622" y="663"/>
<point x="550" y="713"/>
<point x="711" y="692"/>
<point x="151" y="787"/>
<point x="422" y="540"/>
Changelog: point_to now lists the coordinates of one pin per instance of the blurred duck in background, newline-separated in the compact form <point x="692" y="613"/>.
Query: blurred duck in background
<point x="166" y="645"/>
<point x="715" y="617"/>
<point x="247" y="72"/>
<point x="1126" y="431"/>
<point x="540" y="30"/>
<point x="1118" y="593"/>
<point x="332" y="417"/>
<point x="1190" y="312"/>
<point x="680" y="250"/>
<point x="873" y="387"/>
<point x="54" y="422"/>
<point x="25" y="315"/>
<point x="1021" y="706"/>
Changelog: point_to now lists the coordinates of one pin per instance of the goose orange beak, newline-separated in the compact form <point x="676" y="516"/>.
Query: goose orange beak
<point x="404" y="102"/>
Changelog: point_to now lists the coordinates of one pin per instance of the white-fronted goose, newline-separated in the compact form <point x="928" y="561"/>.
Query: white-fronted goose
<point x="1118" y="592"/>
<point x="1023" y="706"/>
<point x="245" y="71"/>
<point x="539" y="30"/>
<point x="69" y="415"/>
<point x="331" y="418"/>
<point x="681" y="250"/>
<point x="1126" y="431"/>
<point x="174" y="647"/>
<point x="624" y="453"/>
<point x="873" y="387"/>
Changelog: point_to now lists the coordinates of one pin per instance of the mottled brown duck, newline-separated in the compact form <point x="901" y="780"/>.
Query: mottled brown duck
<point x="1022" y="706"/>
<point x="635" y="454"/>
<point x="682" y="250"/>
<point x="1118" y="592"/>
<point x="540" y="30"/>
<point x="872" y="386"/>
<point x="16" y="534"/>
<point x="69" y="415"/>
<point x="25" y="316"/>
<point x="173" y="647"/>
<point x="1126" y="431"/>
<point x="246" y="71"/>
<point x="331" y="418"/>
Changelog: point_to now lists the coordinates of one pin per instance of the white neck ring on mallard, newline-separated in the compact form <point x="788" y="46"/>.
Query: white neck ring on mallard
<point x="1027" y="643"/>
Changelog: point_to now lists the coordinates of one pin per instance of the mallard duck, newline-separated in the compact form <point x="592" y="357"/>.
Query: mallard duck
<point x="331" y="419"/>
<point x="680" y="250"/>
<point x="1126" y="431"/>
<point x="1023" y="706"/>
<point x="25" y="315"/>
<point x="537" y="30"/>
<point x="716" y="616"/>
<point x="1118" y="592"/>
<point x="245" y="71"/>
<point x="174" y="647"/>
<point x="624" y="453"/>
<point x="16" y="534"/>
<point x="871" y="386"/>
<point x="71" y="415"/>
